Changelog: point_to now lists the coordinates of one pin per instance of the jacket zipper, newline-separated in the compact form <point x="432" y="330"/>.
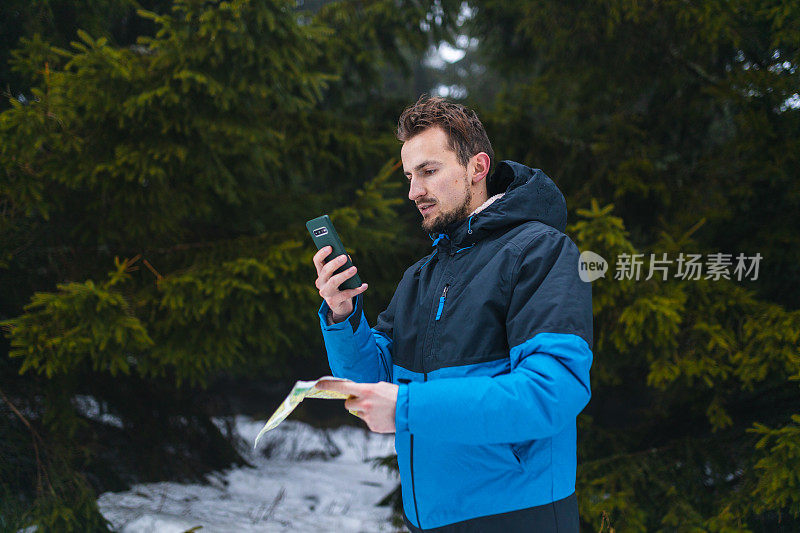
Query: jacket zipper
<point x="411" y="460"/>
<point x="441" y="302"/>
<point x="425" y="378"/>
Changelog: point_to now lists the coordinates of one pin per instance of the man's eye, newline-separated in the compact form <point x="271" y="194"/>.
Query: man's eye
<point x="430" y="171"/>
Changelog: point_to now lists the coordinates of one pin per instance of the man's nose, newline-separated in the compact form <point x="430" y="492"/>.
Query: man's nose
<point x="415" y="190"/>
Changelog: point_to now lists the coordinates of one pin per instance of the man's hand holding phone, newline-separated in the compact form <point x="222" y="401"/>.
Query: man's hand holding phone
<point x="340" y="302"/>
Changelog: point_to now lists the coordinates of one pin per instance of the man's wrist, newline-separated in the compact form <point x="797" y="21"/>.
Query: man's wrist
<point x="333" y="318"/>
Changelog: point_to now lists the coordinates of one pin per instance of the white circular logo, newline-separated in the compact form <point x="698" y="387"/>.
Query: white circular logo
<point x="591" y="266"/>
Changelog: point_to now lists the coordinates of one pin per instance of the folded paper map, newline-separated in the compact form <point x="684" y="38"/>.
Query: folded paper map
<point x="301" y="389"/>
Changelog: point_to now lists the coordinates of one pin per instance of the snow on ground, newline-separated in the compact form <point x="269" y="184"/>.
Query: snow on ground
<point x="304" y="479"/>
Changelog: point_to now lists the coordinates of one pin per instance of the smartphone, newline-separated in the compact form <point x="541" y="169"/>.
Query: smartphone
<point x="324" y="234"/>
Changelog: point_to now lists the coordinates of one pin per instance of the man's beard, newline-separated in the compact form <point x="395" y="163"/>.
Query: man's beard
<point x="439" y="224"/>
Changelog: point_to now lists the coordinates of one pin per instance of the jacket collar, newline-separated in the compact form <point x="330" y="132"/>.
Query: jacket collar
<point x="519" y="194"/>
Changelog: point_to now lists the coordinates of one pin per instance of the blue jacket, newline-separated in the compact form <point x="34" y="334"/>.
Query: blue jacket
<point x="489" y="339"/>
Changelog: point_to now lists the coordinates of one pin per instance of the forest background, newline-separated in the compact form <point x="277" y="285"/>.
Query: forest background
<point x="158" y="160"/>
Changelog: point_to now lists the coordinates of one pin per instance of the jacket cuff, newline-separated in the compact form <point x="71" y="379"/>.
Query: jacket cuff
<point x="354" y="318"/>
<point x="401" y="409"/>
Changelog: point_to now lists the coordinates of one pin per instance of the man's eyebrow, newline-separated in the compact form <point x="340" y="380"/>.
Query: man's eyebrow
<point x="423" y="165"/>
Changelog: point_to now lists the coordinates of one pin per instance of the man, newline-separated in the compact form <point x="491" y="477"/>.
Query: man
<point x="480" y="364"/>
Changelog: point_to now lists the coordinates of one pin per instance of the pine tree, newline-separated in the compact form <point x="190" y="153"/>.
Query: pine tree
<point x="154" y="198"/>
<point x="685" y="372"/>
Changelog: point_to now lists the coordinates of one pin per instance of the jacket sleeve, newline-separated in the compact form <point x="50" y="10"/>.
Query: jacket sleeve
<point x="549" y="331"/>
<point x="356" y="351"/>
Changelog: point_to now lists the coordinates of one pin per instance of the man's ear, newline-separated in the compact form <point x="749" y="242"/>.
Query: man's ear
<point x="479" y="165"/>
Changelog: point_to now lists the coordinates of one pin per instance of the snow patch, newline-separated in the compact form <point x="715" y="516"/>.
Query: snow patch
<point x="89" y="407"/>
<point x="303" y="479"/>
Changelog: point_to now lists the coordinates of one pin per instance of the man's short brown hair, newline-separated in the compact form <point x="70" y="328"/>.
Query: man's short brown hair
<point x="465" y="133"/>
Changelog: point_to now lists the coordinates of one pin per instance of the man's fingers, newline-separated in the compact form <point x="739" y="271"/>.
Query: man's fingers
<point x="326" y="277"/>
<point x="336" y="386"/>
<point x="341" y="277"/>
<point x="331" y="266"/>
<point x="330" y="289"/>
<point x="320" y="256"/>
<point x="347" y="387"/>
<point x="352" y="404"/>
<point x="349" y="293"/>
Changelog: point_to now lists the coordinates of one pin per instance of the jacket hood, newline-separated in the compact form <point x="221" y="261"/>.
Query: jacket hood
<point x="528" y="195"/>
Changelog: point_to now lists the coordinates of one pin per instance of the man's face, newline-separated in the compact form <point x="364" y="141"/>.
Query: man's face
<point x="439" y="186"/>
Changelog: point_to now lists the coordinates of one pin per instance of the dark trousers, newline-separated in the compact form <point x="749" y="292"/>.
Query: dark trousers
<point x="558" y="517"/>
